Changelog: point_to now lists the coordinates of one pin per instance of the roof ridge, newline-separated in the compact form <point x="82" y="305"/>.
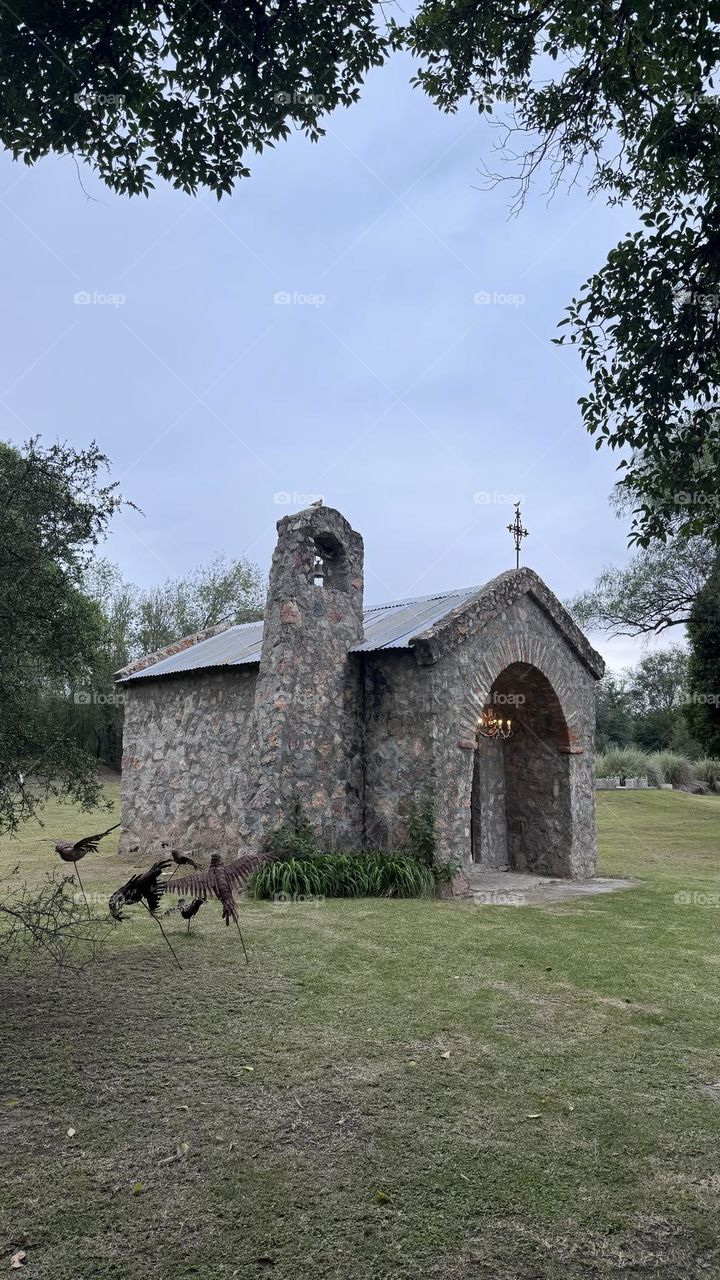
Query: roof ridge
<point x="238" y="626"/>
<point x="180" y="645"/>
<point x="434" y="595"/>
<point x="427" y="624"/>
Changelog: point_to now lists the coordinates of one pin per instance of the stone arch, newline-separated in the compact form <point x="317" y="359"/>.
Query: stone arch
<point x="525" y="634"/>
<point x="521" y="808"/>
<point x="533" y="651"/>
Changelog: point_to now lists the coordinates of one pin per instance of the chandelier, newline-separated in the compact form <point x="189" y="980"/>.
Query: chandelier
<point x="492" y="726"/>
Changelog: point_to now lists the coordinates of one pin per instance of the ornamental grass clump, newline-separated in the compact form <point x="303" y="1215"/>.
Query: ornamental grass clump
<point x="370" y="874"/>
<point x="707" y="770"/>
<point x="627" y="762"/>
<point x="677" y="769"/>
<point x="654" y="771"/>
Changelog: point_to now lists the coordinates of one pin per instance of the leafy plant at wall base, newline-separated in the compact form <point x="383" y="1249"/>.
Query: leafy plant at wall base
<point x="422" y="830"/>
<point x="295" y="838"/>
<point x="370" y="874"/>
<point x="445" y="872"/>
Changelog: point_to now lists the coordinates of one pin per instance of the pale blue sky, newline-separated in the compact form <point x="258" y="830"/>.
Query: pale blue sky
<point x="392" y="393"/>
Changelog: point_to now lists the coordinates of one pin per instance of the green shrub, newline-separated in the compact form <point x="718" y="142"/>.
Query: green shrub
<point x="676" y="769"/>
<point x="707" y="770"/>
<point x="293" y="838"/>
<point x="422" y="835"/>
<point x="344" y="875"/>
<point x="629" y="761"/>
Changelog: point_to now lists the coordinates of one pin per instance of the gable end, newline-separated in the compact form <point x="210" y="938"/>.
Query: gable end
<point x="499" y="594"/>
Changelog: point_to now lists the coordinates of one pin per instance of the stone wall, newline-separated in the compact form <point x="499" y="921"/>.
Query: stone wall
<point x="185" y="761"/>
<point x="466" y="669"/>
<point x="399" y="716"/>
<point x="488" y="816"/>
<point x="534" y="799"/>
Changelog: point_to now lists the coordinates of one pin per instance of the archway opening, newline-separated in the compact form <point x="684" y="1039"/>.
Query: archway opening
<point x="521" y="810"/>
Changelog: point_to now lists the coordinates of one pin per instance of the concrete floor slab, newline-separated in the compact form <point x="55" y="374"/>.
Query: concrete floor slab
<point x="517" y="889"/>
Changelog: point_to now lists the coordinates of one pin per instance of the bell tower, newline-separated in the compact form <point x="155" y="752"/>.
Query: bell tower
<point x="307" y="733"/>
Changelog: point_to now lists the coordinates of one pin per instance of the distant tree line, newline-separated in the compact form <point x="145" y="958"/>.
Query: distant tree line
<point x="671" y="699"/>
<point x="136" y="621"/>
<point x="645" y="705"/>
<point x="69" y="622"/>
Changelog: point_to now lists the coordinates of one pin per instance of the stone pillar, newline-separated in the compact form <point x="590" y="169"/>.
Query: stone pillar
<point x="307" y="727"/>
<point x="488" y="804"/>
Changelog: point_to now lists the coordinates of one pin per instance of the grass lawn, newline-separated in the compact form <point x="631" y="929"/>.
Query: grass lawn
<point x="392" y="1089"/>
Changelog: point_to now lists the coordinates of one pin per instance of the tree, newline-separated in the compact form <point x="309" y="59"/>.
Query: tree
<point x="628" y="106"/>
<point x="653" y="592"/>
<point x="174" y="90"/>
<point x="618" y="95"/>
<point x="656" y="689"/>
<point x="613" y="718"/>
<point x="91" y="716"/>
<point x="134" y="622"/>
<point x="659" y="680"/>
<point x="643" y="705"/>
<point x="53" y="511"/>
<point x="703" y="706"/>
<point x="223" y="591"/>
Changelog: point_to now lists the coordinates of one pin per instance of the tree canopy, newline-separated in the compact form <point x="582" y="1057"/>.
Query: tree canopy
<point x="615" y="95"/>
<point x="223" y="591"/>
<point x="53" y="511"/>
<point x="136" y="621"/>
<point x="653" y="592"/>
<point x="644" y="705"/>
<point x="180" y="91"/>
<point x="703" y="704"/>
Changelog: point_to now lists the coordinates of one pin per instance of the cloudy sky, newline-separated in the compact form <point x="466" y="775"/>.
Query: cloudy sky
<point x="361" y="320"/>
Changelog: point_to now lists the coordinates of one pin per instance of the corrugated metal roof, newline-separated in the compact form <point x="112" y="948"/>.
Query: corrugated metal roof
<point x="387" y="626"/>
<point x="392" y="626"/>
<point x="232" y="648"/>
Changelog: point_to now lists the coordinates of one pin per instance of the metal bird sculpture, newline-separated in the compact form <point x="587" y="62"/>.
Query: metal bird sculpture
<point x="74" y="850"/>
<point x="189" y="909"/>
<point x="146" y="888"/>
<point x="220" y="881"/>
<point x="183" y="859"/>
<point x="180" y="859"/>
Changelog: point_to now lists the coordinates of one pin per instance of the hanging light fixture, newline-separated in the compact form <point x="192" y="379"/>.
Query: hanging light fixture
<point x="492" y="726"/>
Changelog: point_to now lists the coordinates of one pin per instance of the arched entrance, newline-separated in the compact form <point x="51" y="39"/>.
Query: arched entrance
<point x="521" y="817"/>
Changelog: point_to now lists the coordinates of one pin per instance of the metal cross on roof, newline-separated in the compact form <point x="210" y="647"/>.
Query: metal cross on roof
<point x="518" y="532"/>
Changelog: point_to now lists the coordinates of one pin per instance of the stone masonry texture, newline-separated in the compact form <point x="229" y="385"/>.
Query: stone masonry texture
<point x="214" y="759"/>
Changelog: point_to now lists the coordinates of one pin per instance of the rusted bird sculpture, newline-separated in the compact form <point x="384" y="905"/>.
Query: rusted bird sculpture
<point x="146" y="888"/>
<point x="74" y="850"/>
<point x="220" y="881"/>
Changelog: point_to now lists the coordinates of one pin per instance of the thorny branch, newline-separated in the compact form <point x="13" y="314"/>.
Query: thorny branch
<point x="48" y="921"/>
